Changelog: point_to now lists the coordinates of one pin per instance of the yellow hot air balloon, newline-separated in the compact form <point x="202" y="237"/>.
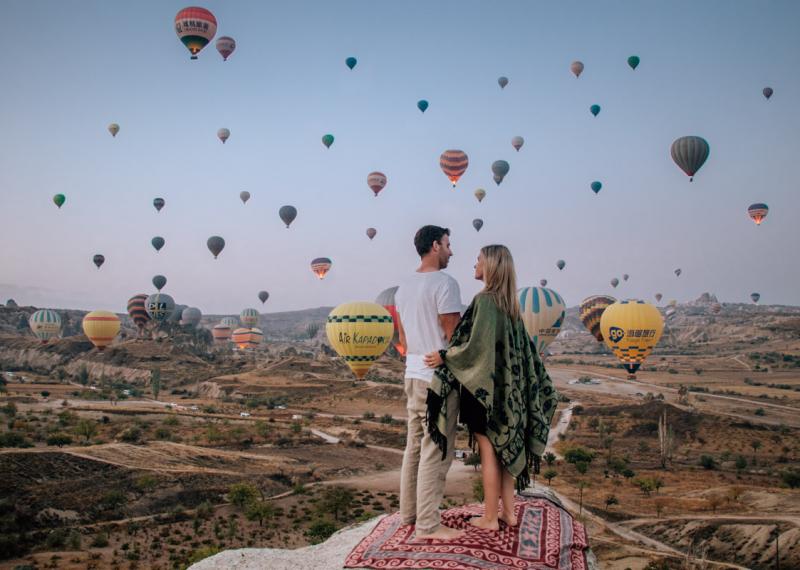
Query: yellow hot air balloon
<point x="631" y="329"/>
<point x="101" y="327"/>
<point x="360" y="332"/>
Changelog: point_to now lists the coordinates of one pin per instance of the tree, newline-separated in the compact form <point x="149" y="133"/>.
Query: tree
<point x="241" y="494"/>
<point x="86" y="429"/>
<point x="708" y="462"/>
<point x="581" y="486"/>
<point x="741" y="464"/>
<point x="258" y="511"/>
<point x="320" y="531"/>
<point x="45" y="394"/>
<point x="311" y="330"/>
<point x="83" y="375"/>
<point x="578" y="455"/>
<point x="155" y="382"/>
<point x="59" y="439"/>
<point x="666" y="440"/>
<point x="550" y="474"/>
<point x="756" y="445"/>
<point x="473" y="459"/>
<point x="646" y="485"/>
<point x="549" y="458"/>
<point x="582" y="467"/>
<point x="610" y="501"/>
<point x="791" y="478"/>
<point x="336" y="500"/>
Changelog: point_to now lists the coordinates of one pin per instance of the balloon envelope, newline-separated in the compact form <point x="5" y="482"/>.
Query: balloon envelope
<point x="371" y="232"/>
<point x="576" y="67"/>
<point x="244" y="196"/>
<point x="159" y="281"/>
<point x="767" y="92"/>
<point x="59" y="200"/>
<point x="499" y="170"/>
<point x="360" y="333"/>
<point x="614" y="282"/>
<point x="215" y="245"/>
<point x="157" y="242"/>
<point x="690" y="153"/>
<point x="232" y="322"/>
<point x="195" y="28"/>
<point x="477" y="223"/>
<point x="633" y="61"/>
<point x="226" y="46"/>
<point x="502" y="82"/>
<point x="376" y="181"/>
<point x="422" y="105"/>
<point x="758" y="212"/>
<point x="517" y="142"/>
<point x="245" y="338"/>
<point x="158" y="203"/>
<point x="480" y="194"/>
<point x="113" y="128"/>
<point x="263" y="296"/>
<point x="561" y="264"/>
<point x="596" y="186"/>
<point x="543" y="282"/>
<point x="351" y="62"/>
<point x="327" y="140"/>
<point x="191" y="316"/>
<point x="678" y="272"/>
<point x="755" y="297"/>
<point x="98" y="260"/>
<point x="591" y="309"/>
<point x="223" y="135"/>
<point x="45" y="324"/>
<point x="320" y="266"/>
<point x="159" y="307"/>
<point x="221" y="333"/>
<point x="658" y="297"/>
<point x="249" y="317"/>
<point x="595" y="109"/>
<point x="137" y="310"/>
<point x="386" y="299"/>
<point x="625" y="276"/>
<point x="101" y="327"/>
<point x="543" y="312"/>
<point x="287" y="214"/>
<point x="631" y="329"/>
<point x="454" y="164"/>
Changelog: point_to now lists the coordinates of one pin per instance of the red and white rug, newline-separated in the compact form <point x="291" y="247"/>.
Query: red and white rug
<point x="547" y="537"/>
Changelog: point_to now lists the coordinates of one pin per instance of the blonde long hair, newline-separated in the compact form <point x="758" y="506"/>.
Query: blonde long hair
<point x="500" y="279"/>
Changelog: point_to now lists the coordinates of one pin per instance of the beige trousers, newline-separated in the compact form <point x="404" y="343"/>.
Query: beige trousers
<point x="424" y="471"/>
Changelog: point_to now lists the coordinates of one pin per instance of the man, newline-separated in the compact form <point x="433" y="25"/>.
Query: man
<point x="429" y="308"/>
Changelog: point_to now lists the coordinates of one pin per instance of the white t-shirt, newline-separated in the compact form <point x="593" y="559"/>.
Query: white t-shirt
<point x="420" y="300"/>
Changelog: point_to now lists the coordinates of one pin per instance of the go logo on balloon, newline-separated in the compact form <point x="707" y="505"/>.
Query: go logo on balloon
<point x="616" y="334"/>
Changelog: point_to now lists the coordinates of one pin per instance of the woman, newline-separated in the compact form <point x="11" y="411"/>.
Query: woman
<point x="507" y="398"/>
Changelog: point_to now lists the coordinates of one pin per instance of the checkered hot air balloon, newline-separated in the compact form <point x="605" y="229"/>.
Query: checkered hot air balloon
<point x="360" y="332"/>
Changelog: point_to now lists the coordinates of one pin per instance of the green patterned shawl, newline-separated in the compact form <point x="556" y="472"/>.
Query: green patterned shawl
<point x="492" y="356"/>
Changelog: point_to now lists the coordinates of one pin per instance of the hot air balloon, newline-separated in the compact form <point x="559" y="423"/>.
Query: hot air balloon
<point x="670" y="311"/>
<point x="98" y="260"/>
<point x="543" y="282"/>
<point x="244" y="196"/>
<point x="287" y="214"/>
<point x="159" y="281"/>
<point x="249" y="317"/>
<point x="631" y="329"/>
<point x="633" y="61"/>
<point x="422" y="105"/>
<point x="758" y="212"/>
<point x="480" y="194"/>
<point x="386" y="300"/>
<point x="716" y="308"/>
<point x="327" y="140"/>
<point x="360" y="333"/>
<point x="576" y="67"/>
<point x="477" y="223"/>
<point x="614" y="282"/>
<point x="591" y="309"/>
<point x="755" y="297"/>
<point x="454" y="163"/>
<point x="157" y="242"/>
<point x="113" y="128"/>
<point x="499" y="170"/>
<point x="658" y="297"/>
<point x="376" y="182"/>
<point x="59" y="200"/>
<point x="232" y="322"/>
<point x="223" y="134"/>
<point x="159" y="307"/>
<point x="678" y="272"/>
<point x="595" y="109"/>
<point x="371" y="233"/>
<point x="45" y="324"/>
<point x="263" y="296"/>
<point x="351" y="62"/>
<point x="543" y="312"/>
<point x="625" y="276"/>
<point x="245" y="338"/>
<point x="158" y="203"/>
<point x="195" y="28"/>
<point x="215" y="245"/>
<point x="101" y="328"/>
<point x="767" y="92"/>
<point x="672" y="303"/>
<point x="226" y="46"/>
<point x="221" y="333"/>
<point x="320" y="266"/>
<point x="690" y="153"/>
<point x="256" y="338"/>
<point x="191" y="316"/>
<point x="502" y="82"/>
<point x="517" y="142"/>
<point x="137" y="311"/>
<point x="177" y="312"/>
<point x="561" y="264"/>
<point x="596" y="186"/>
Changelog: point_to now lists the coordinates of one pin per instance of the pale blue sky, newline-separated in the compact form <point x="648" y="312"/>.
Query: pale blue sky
<point x="69" y="68"/>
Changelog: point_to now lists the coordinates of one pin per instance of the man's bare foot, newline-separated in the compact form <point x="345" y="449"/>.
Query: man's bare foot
<point x="484" y="523"/>
<point x="509" y="518"/>
<point x="441" y="533"/>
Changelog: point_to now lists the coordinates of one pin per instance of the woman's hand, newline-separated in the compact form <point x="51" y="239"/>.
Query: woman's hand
<point x="433" y="359"/>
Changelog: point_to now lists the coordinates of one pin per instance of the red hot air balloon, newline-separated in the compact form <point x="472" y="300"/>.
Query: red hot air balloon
<point x="320" y="266"/>
<point x="195" y="28"/>
<point x="758" y="212"/>
<point x="226" y="46"/>
<point x="454" y="164"/>
<point x="376" y="182"/>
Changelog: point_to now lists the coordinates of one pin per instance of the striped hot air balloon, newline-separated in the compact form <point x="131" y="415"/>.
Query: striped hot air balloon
<point x="631" y="329"/>
<point x="245" y="338"/>
<point x="758" y="212"/>
<point x="249" y="317"/>
<point x="221" y="333"/>
<point x="45" y="324"/>
<point x="360" y="332"/>
<point x="101" y="327"/>
<point x="454" y="163"/>
<point x="137" y="311"/>
<point x="195" y="28"/>
<point x="256" y="338"/>
<point x="386" y="300"/>
<point x="543" y="312"/>
<point x="591" y="310"/>
<point x="320" y="266"/>
<point x="690" y="153"/>
<point x="376" y="182"/>
<point x="232" y="322"/>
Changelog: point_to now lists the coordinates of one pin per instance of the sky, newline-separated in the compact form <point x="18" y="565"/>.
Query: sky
<point x="71" y="68"/>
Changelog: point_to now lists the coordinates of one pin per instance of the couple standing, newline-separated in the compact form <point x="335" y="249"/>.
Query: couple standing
<point x="480" y="367"/>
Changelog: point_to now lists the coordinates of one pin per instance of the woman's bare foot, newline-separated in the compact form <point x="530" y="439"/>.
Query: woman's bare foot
<point x="509" y="518"/>
<point x="441" y="533"/>
<point x="484" y="523"/>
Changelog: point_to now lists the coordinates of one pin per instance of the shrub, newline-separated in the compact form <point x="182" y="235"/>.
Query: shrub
<point x="791" y="478"/>
<point x="59" y="439"/>
<point x="387" y="419"/>
<point x="131" y="435"/>
<point x="240" y="494"/>
<point x="100" y="540"/>
<point x="708" y="462"/>
<point x="14" y="439"/>
<point x="368" y="415"/>
<point x="113" y="499"/>
<point x="760" y="412"/>
<point x="319" y="531"/>
<point x="578" y="454"/>
<point x="202" y="553"/>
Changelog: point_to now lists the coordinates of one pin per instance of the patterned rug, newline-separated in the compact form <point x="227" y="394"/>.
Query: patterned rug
<point x="546" y="537"/>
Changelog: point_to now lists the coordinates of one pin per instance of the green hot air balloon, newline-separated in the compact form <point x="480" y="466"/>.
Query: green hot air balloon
<point x="561" y="264"/>
<point x="351" y="62"/>
<point x="159" y="281"/>
<point x="422" y="105"/>
<point x="596" y="186"/>
<point x="287" y="214"/>
<point x="690" y="153"/>
<point x="499" y="170"/>
<point x="633" y="61"/>
<point x="157" y="242"/>
<point x="327" y="140"/>
<point x="59" y="200"/>
<point x="595" y="109"/>
<point x="215" y="245"/>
